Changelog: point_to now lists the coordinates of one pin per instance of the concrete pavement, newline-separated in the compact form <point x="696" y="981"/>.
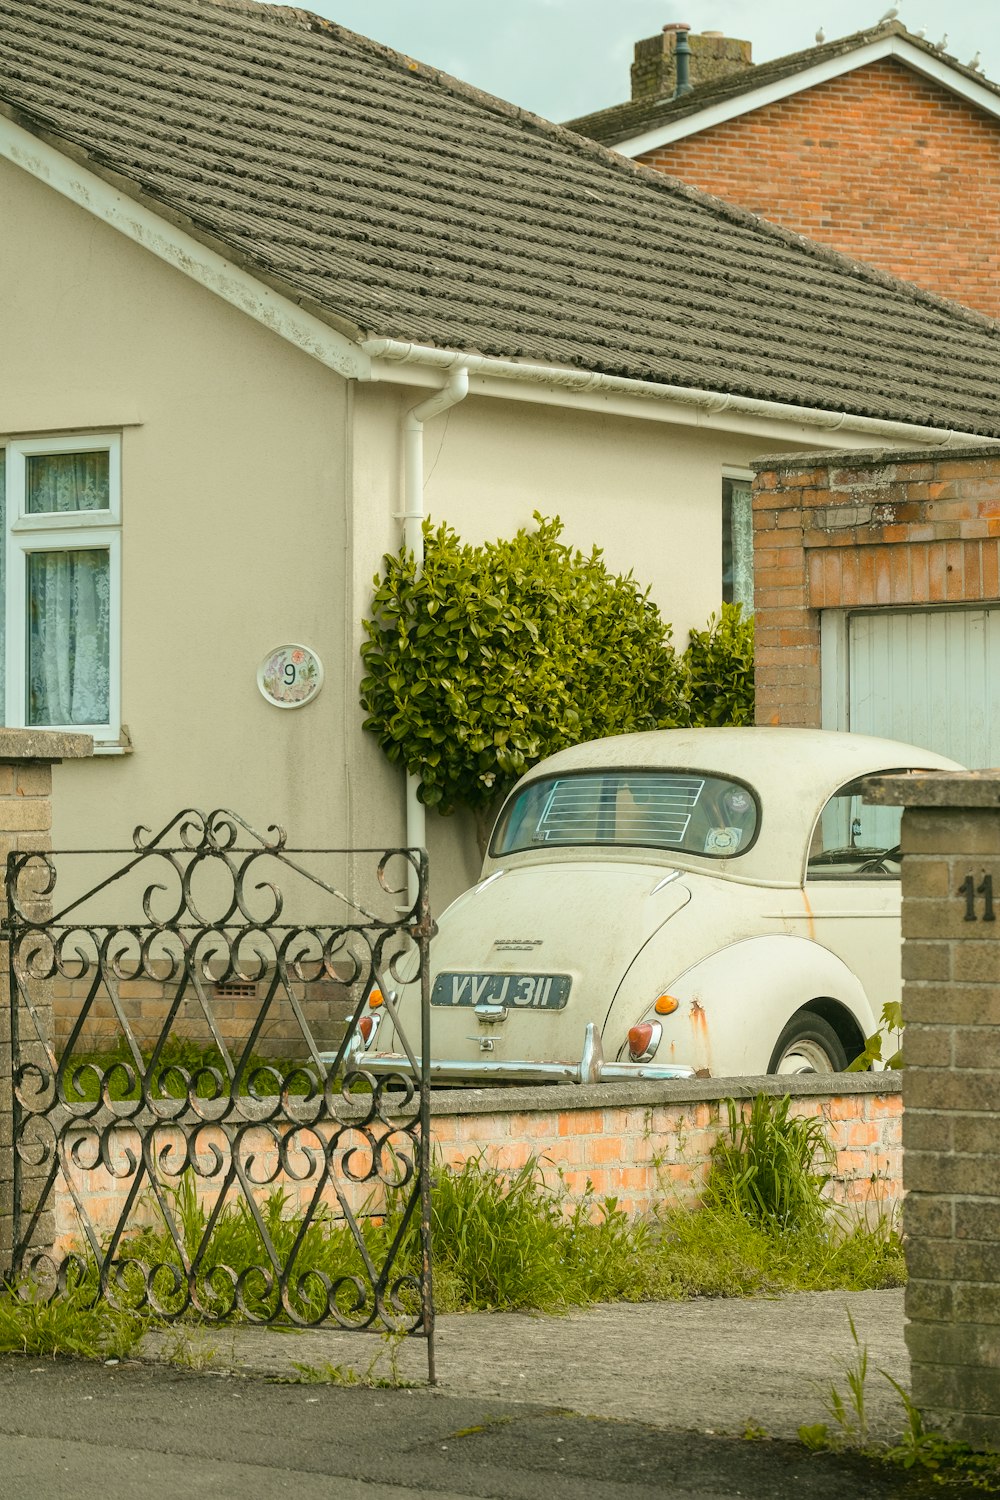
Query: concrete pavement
<point x="714" y="1365"/>
<point x="611" y="1403"/>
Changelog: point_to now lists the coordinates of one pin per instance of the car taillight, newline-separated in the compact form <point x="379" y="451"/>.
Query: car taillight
<point x="366" y="1026"/>
<point x="643" y="1040"/>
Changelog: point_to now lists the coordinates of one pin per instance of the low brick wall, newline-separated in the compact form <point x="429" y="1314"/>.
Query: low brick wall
<point x="641" y="1143"/>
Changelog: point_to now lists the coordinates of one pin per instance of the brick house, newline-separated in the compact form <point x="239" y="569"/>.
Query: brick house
<point x="878" y="144"/>
<point x="878" y="595"/>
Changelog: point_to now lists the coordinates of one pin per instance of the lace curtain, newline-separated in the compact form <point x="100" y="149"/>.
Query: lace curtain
<point x="69" y="597"/>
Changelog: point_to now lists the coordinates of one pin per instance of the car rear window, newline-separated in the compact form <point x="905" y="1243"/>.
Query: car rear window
<point x="687" y="810"/>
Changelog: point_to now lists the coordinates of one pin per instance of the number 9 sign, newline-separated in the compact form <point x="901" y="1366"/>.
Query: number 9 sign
<point x="290" y="676"/>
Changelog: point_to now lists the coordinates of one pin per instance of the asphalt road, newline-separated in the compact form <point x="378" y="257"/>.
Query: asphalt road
<point x="146" y="1431"/>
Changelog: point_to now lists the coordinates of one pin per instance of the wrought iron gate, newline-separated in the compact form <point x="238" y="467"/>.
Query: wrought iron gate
<point x="199" y="1173"/>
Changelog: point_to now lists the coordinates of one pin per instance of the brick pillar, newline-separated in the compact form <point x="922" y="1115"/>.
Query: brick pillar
<point x="26" y="760"/>
<point x="951" y="1093"/>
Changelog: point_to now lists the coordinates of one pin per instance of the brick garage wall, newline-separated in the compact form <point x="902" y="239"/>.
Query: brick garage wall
<point x="863" y="530"/>
<point x="643" y="1144"/>
<point x="888" y="167"/>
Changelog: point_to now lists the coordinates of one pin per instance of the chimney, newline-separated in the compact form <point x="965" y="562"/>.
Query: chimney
<point x="655" y="71"/>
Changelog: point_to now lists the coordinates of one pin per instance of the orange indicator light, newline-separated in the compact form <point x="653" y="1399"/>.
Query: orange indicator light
<point x="666" y="1005"/>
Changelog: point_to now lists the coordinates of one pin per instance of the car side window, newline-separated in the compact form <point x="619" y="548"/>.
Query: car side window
<point x="853" y="840"/>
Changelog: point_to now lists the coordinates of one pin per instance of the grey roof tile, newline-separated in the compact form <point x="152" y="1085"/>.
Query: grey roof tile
<point x="404" y="204"/>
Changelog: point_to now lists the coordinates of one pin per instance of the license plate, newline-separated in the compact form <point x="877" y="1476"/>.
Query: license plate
<point x="518" y="991"/>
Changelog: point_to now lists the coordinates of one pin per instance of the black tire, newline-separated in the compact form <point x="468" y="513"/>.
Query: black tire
<point x="808" y="1044"/>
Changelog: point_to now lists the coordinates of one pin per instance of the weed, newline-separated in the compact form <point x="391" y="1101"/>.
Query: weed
<point x="888" y="1036"/>
<point x="510" y="1240"/>
<point x="769" y="1165"/>
<point x="330" y="1374"/>
<point x="69" y="1325"/>
<point x="187" y="1348"/>
<point x="501" y="1240"/>
<point x="947" y="1463"/>
<point x="849" y="1411"/>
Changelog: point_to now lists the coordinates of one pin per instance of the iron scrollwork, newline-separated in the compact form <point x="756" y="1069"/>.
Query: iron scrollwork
<point x="192" y="1144"/>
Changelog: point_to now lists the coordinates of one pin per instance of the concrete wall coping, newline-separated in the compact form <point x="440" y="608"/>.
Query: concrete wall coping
<point x="43" y="744"/>
<point x="935" y="789"/>
<point x="871" y="458"/>
<point x="544" y="1098"/>
<point x="518" y="1099"/>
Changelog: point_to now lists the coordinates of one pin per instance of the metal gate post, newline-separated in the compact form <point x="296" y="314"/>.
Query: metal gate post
<point x="424" y="932"/>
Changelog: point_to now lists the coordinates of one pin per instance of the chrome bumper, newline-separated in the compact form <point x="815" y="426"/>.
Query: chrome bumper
<point x="591" y="1068"/>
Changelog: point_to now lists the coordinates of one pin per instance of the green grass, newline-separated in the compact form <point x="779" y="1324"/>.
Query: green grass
<point x="69" y="1326"/>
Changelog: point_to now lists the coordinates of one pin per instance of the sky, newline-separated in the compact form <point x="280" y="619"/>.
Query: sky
<point x="562" y="58"/>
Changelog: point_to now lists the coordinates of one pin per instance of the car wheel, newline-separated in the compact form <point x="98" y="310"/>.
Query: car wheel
<point x="808" y="1044"/>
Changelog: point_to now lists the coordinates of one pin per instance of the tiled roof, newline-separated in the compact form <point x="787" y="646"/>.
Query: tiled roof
<point x="396" y="202"/>
<point x="622" y="122"/>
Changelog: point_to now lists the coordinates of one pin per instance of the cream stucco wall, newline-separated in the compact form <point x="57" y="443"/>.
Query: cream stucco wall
<point x="234" y="464"/>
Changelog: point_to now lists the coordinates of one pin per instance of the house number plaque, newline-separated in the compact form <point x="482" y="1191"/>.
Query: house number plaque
<point x="970" y="890"/>
<point x="290" y="676"/>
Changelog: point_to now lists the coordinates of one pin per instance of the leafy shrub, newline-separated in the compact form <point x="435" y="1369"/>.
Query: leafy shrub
<point x="499" y="655"/>
<point x="718" y="664"/>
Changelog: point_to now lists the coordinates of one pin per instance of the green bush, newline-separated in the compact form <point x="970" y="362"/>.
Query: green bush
<point x="718" y="665"/>
<point x="499" y="655"/>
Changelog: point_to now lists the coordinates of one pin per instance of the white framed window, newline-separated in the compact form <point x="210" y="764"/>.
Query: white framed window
<point x="60" y="579"/>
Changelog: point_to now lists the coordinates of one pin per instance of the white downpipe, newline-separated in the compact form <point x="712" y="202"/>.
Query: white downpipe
<point x="712" y="403"/>
<point x="455" y="389"/>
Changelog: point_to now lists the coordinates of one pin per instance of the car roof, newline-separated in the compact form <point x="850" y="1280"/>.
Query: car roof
<point x="794" y="770"/>
<point x="764" y="752"/>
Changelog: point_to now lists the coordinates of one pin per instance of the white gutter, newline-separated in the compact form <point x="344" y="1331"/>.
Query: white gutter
<point x="711" y="403"/>
<point x="455" y="389"/>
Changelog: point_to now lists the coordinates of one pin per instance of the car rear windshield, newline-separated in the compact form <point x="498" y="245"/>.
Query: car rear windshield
<point x="686" y="810"/>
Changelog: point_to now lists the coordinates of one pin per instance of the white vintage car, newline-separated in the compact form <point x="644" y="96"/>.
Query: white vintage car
<point x="707" y="901"/>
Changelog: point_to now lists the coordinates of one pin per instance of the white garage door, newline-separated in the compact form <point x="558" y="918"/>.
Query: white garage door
<point x="927" y="676"/>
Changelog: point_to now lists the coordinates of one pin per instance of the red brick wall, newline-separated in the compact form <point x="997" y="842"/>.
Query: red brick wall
<point x="862" y="530"/>
<point x="644" y="1153"/>
<point x="881" y="164"/>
